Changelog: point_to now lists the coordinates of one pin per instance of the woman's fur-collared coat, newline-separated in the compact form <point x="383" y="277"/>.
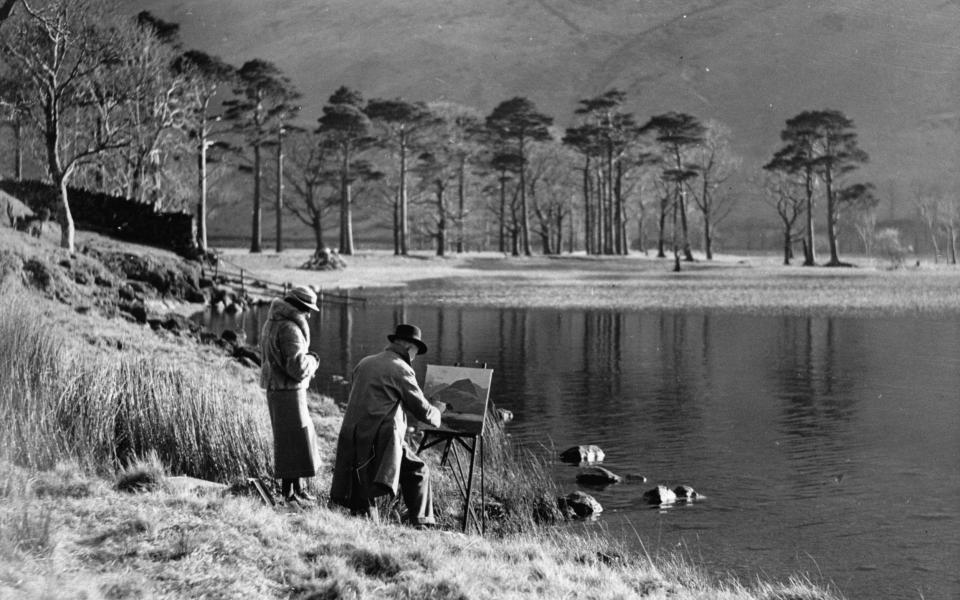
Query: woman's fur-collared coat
<point x="370" y="444"/>
<point x="285" y="373"/>
<point x="285" y="345"/>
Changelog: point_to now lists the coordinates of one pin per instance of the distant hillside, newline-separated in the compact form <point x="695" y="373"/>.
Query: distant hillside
<point x="892" y="66"/>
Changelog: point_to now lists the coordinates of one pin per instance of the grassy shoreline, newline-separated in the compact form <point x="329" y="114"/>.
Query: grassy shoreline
<point x="66" y="531"/>
<point x="748" y="284"/>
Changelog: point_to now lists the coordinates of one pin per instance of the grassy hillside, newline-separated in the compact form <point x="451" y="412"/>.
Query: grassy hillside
<point x="97" y="410"/>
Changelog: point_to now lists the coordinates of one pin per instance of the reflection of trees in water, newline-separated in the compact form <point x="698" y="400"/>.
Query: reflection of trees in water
<point x="345" y="347"/>
<point x="672" y="406"/>
<point x="816" y="382"/>
<point x="602" y="354"/>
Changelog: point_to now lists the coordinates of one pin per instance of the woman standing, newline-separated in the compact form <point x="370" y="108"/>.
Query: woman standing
<point x="288" y="366"/>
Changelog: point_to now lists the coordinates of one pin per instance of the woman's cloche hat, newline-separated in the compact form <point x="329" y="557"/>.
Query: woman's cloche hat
<point x="303" y="298"/>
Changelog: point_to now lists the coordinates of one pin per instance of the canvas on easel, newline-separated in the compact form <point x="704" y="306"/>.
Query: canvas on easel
<point x="462" y="395"/>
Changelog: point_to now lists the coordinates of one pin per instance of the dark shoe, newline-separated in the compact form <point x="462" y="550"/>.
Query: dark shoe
<point x="291" y="502"/>
<point x="305" y="497"/>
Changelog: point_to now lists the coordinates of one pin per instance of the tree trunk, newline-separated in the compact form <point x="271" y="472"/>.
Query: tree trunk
<point x="662" y="235"/>
<point x="318" y="233"/>
<point x="346" y="217"/>
<point x="587" y="221"/>
<point x="202" y="188"/>
<point x="707" y="235"/>
<point x="461" y="200"/>
<point x="524" y="221"/>
<point x="404" y="230"/>
<point x="18" y="150"/>
<point x="622" y="239"/>
<point x="831" y="219"/>
<point x="58" y="175"/>
<point x="641" y="234"/>
<point x="809" y="251"/>
<point x="256" y="235"/>
<point x="441" y="222"/>
<point x="676" y="241"/>
<point x="279" y="201"/>
<point x="502" y="247"/>
<point x="67" y="232"/>
<point x="952" y="233"/>
<point x="396" y="223"/>
<point x="787" y="244"/>
<point x="687" y="254"/>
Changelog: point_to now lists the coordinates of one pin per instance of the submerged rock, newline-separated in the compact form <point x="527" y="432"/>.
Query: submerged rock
<point x="660" y="495"/>
<point x="582" y="454"/>
<point x="580" y="504"/>
<point x="597" y="476"/>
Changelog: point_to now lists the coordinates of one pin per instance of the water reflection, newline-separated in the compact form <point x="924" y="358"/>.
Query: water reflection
<point x="834" y="438"/>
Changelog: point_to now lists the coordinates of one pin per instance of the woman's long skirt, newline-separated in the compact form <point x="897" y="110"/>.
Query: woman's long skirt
<point x="295" y="451"/>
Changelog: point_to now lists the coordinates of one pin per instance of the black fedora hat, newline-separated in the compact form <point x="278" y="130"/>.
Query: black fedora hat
<point x="409" y="333"/>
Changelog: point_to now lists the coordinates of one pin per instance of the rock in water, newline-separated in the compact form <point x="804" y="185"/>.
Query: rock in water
<point x="582" y="454"/>
<point x="580" y="503"/>
<point x="685" y="492"/>
<point x="504" y="415"/>
<point x="597" y="476"/>
<point x="660" y="495"/>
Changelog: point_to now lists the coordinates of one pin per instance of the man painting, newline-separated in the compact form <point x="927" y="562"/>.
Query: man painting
<point x="372" y="458"/>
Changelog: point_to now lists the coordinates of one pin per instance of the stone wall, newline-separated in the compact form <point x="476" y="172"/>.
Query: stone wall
<point x="113" y="215"/>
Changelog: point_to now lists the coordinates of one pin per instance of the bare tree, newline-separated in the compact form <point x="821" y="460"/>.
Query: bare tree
<point x="14" y="111"/>
<point x="552" y="184"/>
<point x="312" y="172"/>
<point x="859" y="202"/>
<point x="205" y="76"/>
<point x="59" y="49"/>
<point x="938" y="211"/>
<point x="784" y="191"/>
<point x="715" y="163"/>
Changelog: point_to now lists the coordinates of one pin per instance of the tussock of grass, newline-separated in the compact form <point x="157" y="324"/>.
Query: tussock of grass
<point x="142" y="474"/>
<point x="26" y="533"/>
<point x="102" y="411"/>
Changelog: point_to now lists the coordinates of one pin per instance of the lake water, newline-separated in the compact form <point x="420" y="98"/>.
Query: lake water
<point x="824" y="446"/>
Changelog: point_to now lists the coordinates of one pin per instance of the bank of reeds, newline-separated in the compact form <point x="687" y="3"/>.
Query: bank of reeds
<point x="102" y="410"/>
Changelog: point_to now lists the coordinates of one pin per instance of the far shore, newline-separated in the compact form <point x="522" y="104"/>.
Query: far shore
<point x="736" y="283"/>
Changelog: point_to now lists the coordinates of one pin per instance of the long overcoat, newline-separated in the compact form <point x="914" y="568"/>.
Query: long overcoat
<point x="287" y="368"/>
<point x="370" y="444"/>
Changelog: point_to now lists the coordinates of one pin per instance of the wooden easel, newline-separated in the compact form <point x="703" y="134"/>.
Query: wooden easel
<point x="469" y="443"/>
<point x="452" y="440"/>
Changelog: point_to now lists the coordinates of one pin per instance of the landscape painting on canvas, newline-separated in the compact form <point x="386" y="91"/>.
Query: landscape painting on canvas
<point x="461" y="394"/>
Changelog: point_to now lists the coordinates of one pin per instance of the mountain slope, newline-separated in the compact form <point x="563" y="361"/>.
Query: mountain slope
<point x="891" y="66"/>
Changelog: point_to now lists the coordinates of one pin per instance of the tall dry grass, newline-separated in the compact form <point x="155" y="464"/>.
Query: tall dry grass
<point x="103" y="410"/>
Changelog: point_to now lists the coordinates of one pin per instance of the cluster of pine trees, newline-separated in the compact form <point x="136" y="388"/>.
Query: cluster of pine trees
<point x="117" y="105"/>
